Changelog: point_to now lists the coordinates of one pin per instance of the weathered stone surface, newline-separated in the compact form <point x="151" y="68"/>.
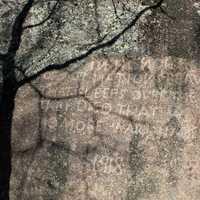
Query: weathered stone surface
<point x="118" y="127"/>
<point x="174" y="34"/>
<point x="124" y="129"/>
<point x="26" y="120"/>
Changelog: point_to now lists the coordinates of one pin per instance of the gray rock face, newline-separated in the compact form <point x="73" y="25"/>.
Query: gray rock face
<point x="119" y="127"/>
<point x="175" y="34"/>
<point x="125" y="129"/>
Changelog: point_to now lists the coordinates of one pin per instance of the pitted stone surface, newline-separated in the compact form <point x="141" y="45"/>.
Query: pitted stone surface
<point x="124" y="129"/>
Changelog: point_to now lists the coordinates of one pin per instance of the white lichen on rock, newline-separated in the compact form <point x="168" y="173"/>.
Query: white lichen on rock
<point x="197" y="6"/>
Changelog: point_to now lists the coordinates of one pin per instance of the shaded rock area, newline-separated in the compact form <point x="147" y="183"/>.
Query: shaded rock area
<point x="172" y="32"/>
<point x="117" y="128"/>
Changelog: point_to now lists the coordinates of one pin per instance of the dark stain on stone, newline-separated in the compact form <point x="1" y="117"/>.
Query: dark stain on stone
<point x="139" y="186"/>
<point x="170" y="149"/>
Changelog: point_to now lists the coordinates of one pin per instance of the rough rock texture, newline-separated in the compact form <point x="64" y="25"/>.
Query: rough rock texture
<point x="118" y="128"/>
<point x="175" y="34"/>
